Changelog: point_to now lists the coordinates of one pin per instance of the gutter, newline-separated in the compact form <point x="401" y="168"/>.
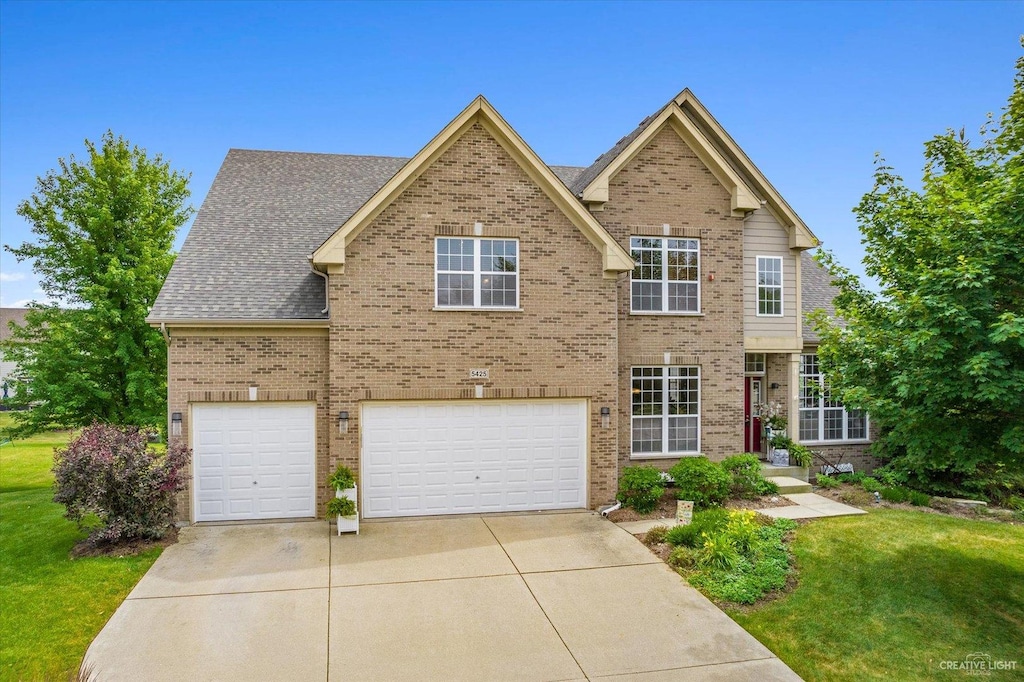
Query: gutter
<point x="327" y="292"/>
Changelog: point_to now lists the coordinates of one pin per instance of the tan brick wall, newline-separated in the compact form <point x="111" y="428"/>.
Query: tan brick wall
<point x="220" y="366"/>
<point x="667" y="184"/>
<point x="387" y="341"/>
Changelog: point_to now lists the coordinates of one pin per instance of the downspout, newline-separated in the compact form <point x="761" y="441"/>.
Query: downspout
<point x="605" y="511"/>
<point x="327" y="293"/>
<point x="163" y="330"/>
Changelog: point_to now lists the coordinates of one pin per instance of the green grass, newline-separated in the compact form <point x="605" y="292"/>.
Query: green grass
<point x="51" y="606"/>
<point x="891" y="594"/>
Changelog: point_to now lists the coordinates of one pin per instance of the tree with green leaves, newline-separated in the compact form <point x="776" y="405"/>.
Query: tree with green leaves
<point x="936" y="356"/>
<point x="104" y="227"/>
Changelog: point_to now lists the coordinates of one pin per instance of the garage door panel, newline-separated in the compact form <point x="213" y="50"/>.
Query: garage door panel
<point x="254" y="461"/>
<point x="468" y="456"/>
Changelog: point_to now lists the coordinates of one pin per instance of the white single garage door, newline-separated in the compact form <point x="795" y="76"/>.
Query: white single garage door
<point x="253" y="461"/>
<point x="473" y="456"/>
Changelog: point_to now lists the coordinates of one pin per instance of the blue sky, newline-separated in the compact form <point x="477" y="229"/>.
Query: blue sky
<point x="810" y="90"/>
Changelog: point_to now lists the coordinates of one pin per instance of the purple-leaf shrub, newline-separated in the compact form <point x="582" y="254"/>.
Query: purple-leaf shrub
<point x="110" y="472"/>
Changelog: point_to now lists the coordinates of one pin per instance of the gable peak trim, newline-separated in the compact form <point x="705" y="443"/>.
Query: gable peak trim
<point x="330" y="256"/>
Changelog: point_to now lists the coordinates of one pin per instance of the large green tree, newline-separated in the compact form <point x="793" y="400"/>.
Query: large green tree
<point x="936" y="355"/>
<point x="104" y="227"/>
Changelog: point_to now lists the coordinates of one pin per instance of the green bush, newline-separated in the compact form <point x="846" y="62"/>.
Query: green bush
<point x="656" y="535"/>
<point x="747" y="479"/>
<point x="1015" y="502"/>
<point x="825" y="481"/>
<point x="700" y="480"/>
<point x="871" y="485"/>
<point x="741" y="529"/>
<point x="682" y="557"/>
<point x="855" y="477"/>
<point x="708" y="521"/>
<point x="919" y="499"/>
<point x="641" y="488"/>
<point x="896" y="494"/>
<point x="340" y="506"/>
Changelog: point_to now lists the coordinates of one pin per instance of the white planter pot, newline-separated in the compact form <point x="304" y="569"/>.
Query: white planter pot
<point x="349" y="524"/>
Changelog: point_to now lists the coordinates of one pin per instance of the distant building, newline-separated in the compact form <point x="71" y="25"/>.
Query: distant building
<point x="7" y="368"/>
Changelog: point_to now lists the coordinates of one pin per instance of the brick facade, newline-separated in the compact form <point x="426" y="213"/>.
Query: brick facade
<point x="220" y="366"/>
<point x="666" y="184"/>
<point x="573" y="336"/>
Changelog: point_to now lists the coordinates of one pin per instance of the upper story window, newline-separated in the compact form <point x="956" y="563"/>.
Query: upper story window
<point x="666" y="277"/>
<point x="472" y="272"/>
<point x="666" y="411"/>
<point x="822" y="417"/>
<point x="753" y="363"/>
<point x="769" y="285"/>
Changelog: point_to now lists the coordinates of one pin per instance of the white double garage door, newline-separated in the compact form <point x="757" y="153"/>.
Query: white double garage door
<point x="258" y="460"/>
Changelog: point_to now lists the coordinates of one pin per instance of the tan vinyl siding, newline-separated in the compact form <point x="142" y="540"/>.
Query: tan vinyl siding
<point x="763" y="236"/>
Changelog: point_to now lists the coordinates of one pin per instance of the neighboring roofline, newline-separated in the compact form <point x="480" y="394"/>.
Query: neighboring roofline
<point x="236" y="322"/>
<point x="330" y="256"/>
<point x="744" y="199"/>
<point x="800" y="236"/>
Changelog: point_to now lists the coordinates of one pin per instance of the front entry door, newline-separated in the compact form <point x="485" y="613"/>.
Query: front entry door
<point x="751" y="416"/>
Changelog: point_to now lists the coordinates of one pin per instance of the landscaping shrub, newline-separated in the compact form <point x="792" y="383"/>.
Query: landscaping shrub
<point x="919" y="499"/>
<point x="682" y="557"/>
<point x="747" y="479"/>
<point x="895" y="494"/>
<point x="108" y="473"/>
<point x="1015" y="502"/>
<point x="640" y="488"/>
<point x="708" y="521"/>
<point x="746" y="576"/>
<point x="700" y="480"/>
<point x="741" y="529"/>
<point x="825" y="481"/>
<point x="656" y="535"/>
<point x="856" y="478"/>
<point x="718" y="551"/>
<point x="871" y="485"/>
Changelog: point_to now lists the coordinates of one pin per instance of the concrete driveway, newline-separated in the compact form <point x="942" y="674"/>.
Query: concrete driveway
<point x="523" y="597"/>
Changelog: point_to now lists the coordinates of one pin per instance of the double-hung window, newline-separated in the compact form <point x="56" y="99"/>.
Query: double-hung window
<point x="822" y="417"/>
<point x="666" y="411"/>
<point x="666" y="275"/>
<point x="769" y="286"/>
<point x="476" y="273"/>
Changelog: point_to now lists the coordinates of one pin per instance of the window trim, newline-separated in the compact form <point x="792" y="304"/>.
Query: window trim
<point x="477" y="274"/>
<point x="780" y="286"/>
<point x="819" y="379"/>
<point x="664" y="416"/>
<point x="664" y="277"/>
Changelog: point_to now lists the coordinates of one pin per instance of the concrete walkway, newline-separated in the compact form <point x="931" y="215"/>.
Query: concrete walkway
<point x="523" y="597"/>
<point x="811" y="506"/>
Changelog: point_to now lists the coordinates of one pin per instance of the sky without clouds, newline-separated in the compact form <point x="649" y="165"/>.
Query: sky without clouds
<point x="811" y="91"/>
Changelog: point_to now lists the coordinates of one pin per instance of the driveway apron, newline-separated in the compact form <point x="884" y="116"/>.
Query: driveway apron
<point x="554" y="596"/>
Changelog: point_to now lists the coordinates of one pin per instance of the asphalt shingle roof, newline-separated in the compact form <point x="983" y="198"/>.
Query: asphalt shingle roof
<point x="246" y="255"/>
<point x="816" y="291"/>
<point x="584" y="178"/>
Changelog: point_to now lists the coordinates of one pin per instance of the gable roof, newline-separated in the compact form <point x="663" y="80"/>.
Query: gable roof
<point x="9" y="315"/>
<point x="331" y="254"/>
<point x="717" y="150"/>
<point x="816" y="292"/>
<point x="269" y="210"/>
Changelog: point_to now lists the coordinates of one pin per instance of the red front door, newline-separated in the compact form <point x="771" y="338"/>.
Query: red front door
<point x="751" y="418"/>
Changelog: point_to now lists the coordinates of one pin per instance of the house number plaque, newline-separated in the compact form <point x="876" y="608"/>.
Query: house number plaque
<point x="479" y="374"/>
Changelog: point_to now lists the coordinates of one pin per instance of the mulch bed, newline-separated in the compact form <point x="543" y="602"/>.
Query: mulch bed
<point x="856" y="496"/>
<point x="666" y="508"/>
<point x="85" y="548"/>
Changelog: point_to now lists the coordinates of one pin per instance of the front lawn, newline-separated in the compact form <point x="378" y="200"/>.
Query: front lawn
<point x="52" y="606"/>
<point x="892" y="594"/>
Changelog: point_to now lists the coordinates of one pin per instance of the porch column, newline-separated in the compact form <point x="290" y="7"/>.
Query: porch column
<point x="793" y="404"/>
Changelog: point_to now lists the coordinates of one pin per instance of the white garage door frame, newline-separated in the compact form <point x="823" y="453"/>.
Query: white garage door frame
<point x="435" y="464"/>
<point x="298" y="499"/>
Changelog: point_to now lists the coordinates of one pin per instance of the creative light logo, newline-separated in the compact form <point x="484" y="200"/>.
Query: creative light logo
<point x="978" y="663"/>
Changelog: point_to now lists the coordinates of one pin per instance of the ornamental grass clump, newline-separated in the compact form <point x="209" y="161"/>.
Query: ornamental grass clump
<point x="111" y="482"/>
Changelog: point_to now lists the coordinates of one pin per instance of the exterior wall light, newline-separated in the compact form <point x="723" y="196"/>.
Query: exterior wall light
<point x="606" y="417"/>
<point x="176" y="423"/>
<point x="343" y="422"/>
<point x="774" y="386"/>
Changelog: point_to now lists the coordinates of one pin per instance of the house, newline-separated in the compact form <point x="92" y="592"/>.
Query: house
<point x="472" y="330"/>
<point x="8" y="368"/>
